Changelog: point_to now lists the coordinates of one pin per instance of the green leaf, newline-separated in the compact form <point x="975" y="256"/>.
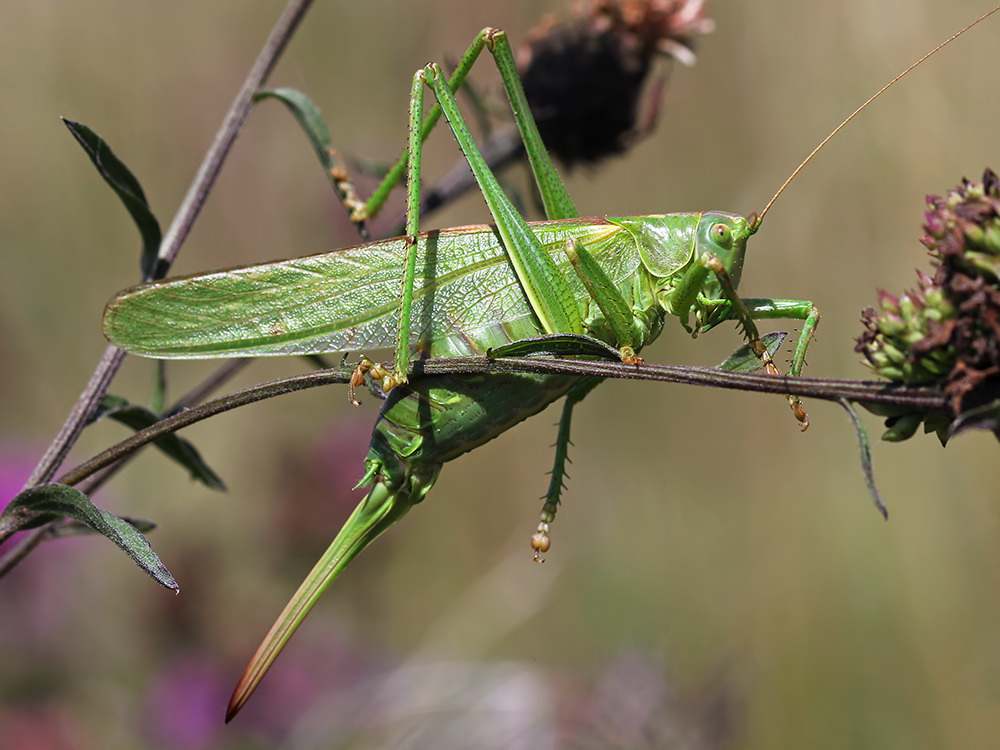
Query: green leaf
<point x="311" y="120"/>
<point x="77" y="528"/>
<point x="177" y="448"/>
<point x="308" y="116"/>
<point x="128" y="189"/>
<point x="745" y="360"/>
<point x="865" y="451"/>
<point x="50" y="502"/>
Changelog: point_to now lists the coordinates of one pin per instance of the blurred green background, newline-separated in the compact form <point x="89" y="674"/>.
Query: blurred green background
<point x="715" y="575"/>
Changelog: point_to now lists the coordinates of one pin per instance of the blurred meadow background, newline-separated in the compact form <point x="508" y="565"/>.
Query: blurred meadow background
<point x="717" y="579"/>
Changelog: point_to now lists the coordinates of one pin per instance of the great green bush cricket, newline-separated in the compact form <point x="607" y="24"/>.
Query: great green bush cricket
<point x="463" y="291"/>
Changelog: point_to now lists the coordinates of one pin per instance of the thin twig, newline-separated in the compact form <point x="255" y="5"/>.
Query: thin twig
<point x="861" y="391"/>
<point x="201" y="391"/>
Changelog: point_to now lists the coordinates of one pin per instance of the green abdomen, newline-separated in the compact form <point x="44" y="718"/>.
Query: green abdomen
<point x="436" y="419"/>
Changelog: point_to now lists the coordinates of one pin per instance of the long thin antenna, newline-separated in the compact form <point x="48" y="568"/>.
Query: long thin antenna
<point x="856" y="112"/>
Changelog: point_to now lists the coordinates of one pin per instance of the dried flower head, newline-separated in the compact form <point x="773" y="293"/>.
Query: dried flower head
<point x="585" y="78"/>
<point x="946" y="333"/>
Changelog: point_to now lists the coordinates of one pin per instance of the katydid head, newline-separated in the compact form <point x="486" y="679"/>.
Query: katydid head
<point x="724" y="236"/>
<point x="694" y="261"/>
<point x="720" y="245"/>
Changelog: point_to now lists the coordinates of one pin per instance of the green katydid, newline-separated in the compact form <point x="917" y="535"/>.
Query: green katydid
<point x="456" y="292"/>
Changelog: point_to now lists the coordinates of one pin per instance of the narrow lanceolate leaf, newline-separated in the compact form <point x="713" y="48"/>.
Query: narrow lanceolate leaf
<point x="78" y="528"/>
<point x="311" y="120"/>
<point x="308" y="116"/>
<point x="865" y="452"/>
<point x="49" y="502"/>
<point x="127" y="187"/>
<point x="177" y="448"/>
<point x="745" y="360"/>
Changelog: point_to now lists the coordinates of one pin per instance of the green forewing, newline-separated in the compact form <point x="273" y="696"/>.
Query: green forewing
<point x="466" y="299"/>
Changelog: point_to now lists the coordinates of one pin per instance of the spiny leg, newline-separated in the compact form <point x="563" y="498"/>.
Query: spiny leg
<point x="540" y="541"/>
<point x="744" y="314"/>
<point x="412" y="228"/>
<point x="743" y="317"/>
<point x="547" y="290"/>
<point x="790" y="309"/>
<point x="766" y="308"/>
<point x="784" y="309"/>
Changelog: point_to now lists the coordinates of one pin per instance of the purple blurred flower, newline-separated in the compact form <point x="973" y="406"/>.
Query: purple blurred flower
<point x="185" y="704"/>
<point x="33" y="595"/>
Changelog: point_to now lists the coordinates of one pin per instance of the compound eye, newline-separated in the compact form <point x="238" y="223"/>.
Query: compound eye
<point x="722" y="234"/>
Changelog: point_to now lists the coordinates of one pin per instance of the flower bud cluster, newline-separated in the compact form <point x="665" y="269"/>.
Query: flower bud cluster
<point x="946" y="332"/>
<point x="903" y="323"/>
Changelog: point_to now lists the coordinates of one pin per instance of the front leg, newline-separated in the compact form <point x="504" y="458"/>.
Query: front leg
<point x="788" y="309"/>
<point x="744" y="312"/>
